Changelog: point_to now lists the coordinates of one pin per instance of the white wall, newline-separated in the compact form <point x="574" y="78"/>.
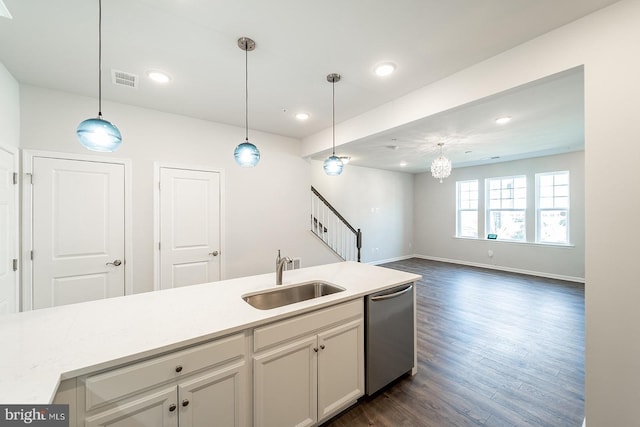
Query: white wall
<point x="435" y="221"/>
<point x="267" y="207"/>
<point x="606" y="43"/>
<point x="9" y="109"/>
<point x="378" y="202"/>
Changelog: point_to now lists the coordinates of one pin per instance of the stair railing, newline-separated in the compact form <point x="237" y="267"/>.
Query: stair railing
<point x="335" y="231"/>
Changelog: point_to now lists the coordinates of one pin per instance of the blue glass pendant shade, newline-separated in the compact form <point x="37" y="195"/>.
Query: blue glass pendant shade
<point x="246" y="154"/>
<point x="99" y="135"/>
<point x="333" y="165"/>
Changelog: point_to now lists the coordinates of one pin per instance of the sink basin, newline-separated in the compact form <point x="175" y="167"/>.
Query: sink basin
<point x="273" y="298"/>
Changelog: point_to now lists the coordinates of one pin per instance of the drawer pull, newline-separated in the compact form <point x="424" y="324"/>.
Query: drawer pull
<point x="172" y="407"/>
<point x="322" y="347"/>
<point x="179" y="368"/>
<point x="315" y="349"/>
<point x="185" y="403"/>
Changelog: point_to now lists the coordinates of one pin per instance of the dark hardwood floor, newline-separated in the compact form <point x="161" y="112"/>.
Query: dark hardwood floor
<point x="494" y="349"/>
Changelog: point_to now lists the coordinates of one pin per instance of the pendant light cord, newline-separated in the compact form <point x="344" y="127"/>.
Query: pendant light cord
<point x="100" y="59"/>
<point x="333" y="117"/>
<point x="246" y="90"/>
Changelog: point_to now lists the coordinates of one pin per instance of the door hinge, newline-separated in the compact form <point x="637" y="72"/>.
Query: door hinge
<point x="15" y="264"/>
<point x="15" y="178"/>
<point x="31" y="255"/>
<point x="158" y="245"/>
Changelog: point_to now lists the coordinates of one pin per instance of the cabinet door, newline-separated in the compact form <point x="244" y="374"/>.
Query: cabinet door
<point x="340" y="367"/>
<point x="285" y="385"/>
<point x="153" y="409"/>
<point x="214" y="399"/>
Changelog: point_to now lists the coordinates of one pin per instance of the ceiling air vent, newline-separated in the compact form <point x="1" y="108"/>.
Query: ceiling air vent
<point x="122" y="78"/>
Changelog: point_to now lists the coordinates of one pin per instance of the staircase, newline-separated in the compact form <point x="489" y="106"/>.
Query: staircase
<point x="331" y="227"/>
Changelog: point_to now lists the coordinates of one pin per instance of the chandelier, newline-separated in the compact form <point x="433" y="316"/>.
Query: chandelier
<point x="441" y="167"/>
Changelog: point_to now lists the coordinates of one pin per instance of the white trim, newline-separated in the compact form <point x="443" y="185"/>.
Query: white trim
<point x="539" y="209"/>
<point x="518" y="242"/>
<point x="156" y="215"/>
<point x="384" y="261"/>
<point x="502" y="268"/>
<point x="27" y="229"/>
<point x="15" y="152"/>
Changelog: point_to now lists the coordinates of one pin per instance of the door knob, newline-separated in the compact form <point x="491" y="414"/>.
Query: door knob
<point x="116" y="263"/>
<point x="214" y="253"/>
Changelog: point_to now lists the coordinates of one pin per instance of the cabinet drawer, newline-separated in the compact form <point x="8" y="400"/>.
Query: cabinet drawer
<point x="267" y="336"/>
<point x="118" y="383"/>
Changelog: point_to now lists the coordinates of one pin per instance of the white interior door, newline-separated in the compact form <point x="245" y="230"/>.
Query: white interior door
<point x="189" y="227"/>
<point x="8" y="234"/>
<point x="78" y="222"/>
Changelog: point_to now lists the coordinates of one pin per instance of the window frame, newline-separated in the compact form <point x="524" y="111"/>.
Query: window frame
<point x="539" y="209"/>
<point x="460" y="210"/>
<point x="502" y="189"/>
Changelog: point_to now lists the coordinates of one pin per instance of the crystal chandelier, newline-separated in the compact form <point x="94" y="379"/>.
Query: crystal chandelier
<point x="441" y="167"/>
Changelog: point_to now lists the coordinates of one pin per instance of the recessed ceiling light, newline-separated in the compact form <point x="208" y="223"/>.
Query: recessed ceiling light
<point x="302" y="116"/>
<point x="503" y="120"/>
<point x="385" y="69"/>
<point x="159" y="76"/>
<point x="403" y="164"/>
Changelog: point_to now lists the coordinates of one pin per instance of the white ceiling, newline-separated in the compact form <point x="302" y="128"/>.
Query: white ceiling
<point x="53" y="44"/>
<point x="547" y="117"/>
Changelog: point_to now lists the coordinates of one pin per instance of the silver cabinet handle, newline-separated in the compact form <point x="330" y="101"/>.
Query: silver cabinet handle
<point x="214" y="253"/>
<point x="116" y="263"/>
<point x="393" y="295"/>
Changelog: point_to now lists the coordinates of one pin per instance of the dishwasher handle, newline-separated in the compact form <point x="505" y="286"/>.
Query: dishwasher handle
<point x="393" y="295"/>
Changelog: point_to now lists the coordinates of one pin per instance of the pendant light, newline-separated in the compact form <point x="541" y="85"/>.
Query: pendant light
<point x="97" y="134"/>
<point x="246" y="154"/>
<point x="333" y="165"/>
<point x="441" y="167"/>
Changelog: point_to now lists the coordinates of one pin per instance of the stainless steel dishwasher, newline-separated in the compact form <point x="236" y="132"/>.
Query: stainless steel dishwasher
<point x="389" y="336"/>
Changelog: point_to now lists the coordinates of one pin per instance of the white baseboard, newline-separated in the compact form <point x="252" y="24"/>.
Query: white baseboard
<point x="502" y="268"/>
<point x="384" y="261"/>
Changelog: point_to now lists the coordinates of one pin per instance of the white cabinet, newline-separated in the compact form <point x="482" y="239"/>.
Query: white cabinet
<point x="200" y="386"/>
<point x="340" y="369"/>
<point x="310" y="367"/>
<point x="151" y="409"/>
<point x="285" y="385"/>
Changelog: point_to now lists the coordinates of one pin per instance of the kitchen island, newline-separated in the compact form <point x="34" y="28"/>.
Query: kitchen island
<point x="42" y="348"/>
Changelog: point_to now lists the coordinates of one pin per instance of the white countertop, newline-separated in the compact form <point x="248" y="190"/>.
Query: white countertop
<point x="42" y="347"/>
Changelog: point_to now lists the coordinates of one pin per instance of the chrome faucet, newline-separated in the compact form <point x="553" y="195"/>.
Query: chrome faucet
<point x="280" y="262"/>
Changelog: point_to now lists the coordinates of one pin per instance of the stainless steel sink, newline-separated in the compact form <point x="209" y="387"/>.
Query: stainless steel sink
<point x="273" y="298"/>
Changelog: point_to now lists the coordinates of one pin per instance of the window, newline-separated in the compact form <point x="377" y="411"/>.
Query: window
<point x="467" y="207"/>
<point x="552" y="207"/>
<point x="507" y="207"/>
